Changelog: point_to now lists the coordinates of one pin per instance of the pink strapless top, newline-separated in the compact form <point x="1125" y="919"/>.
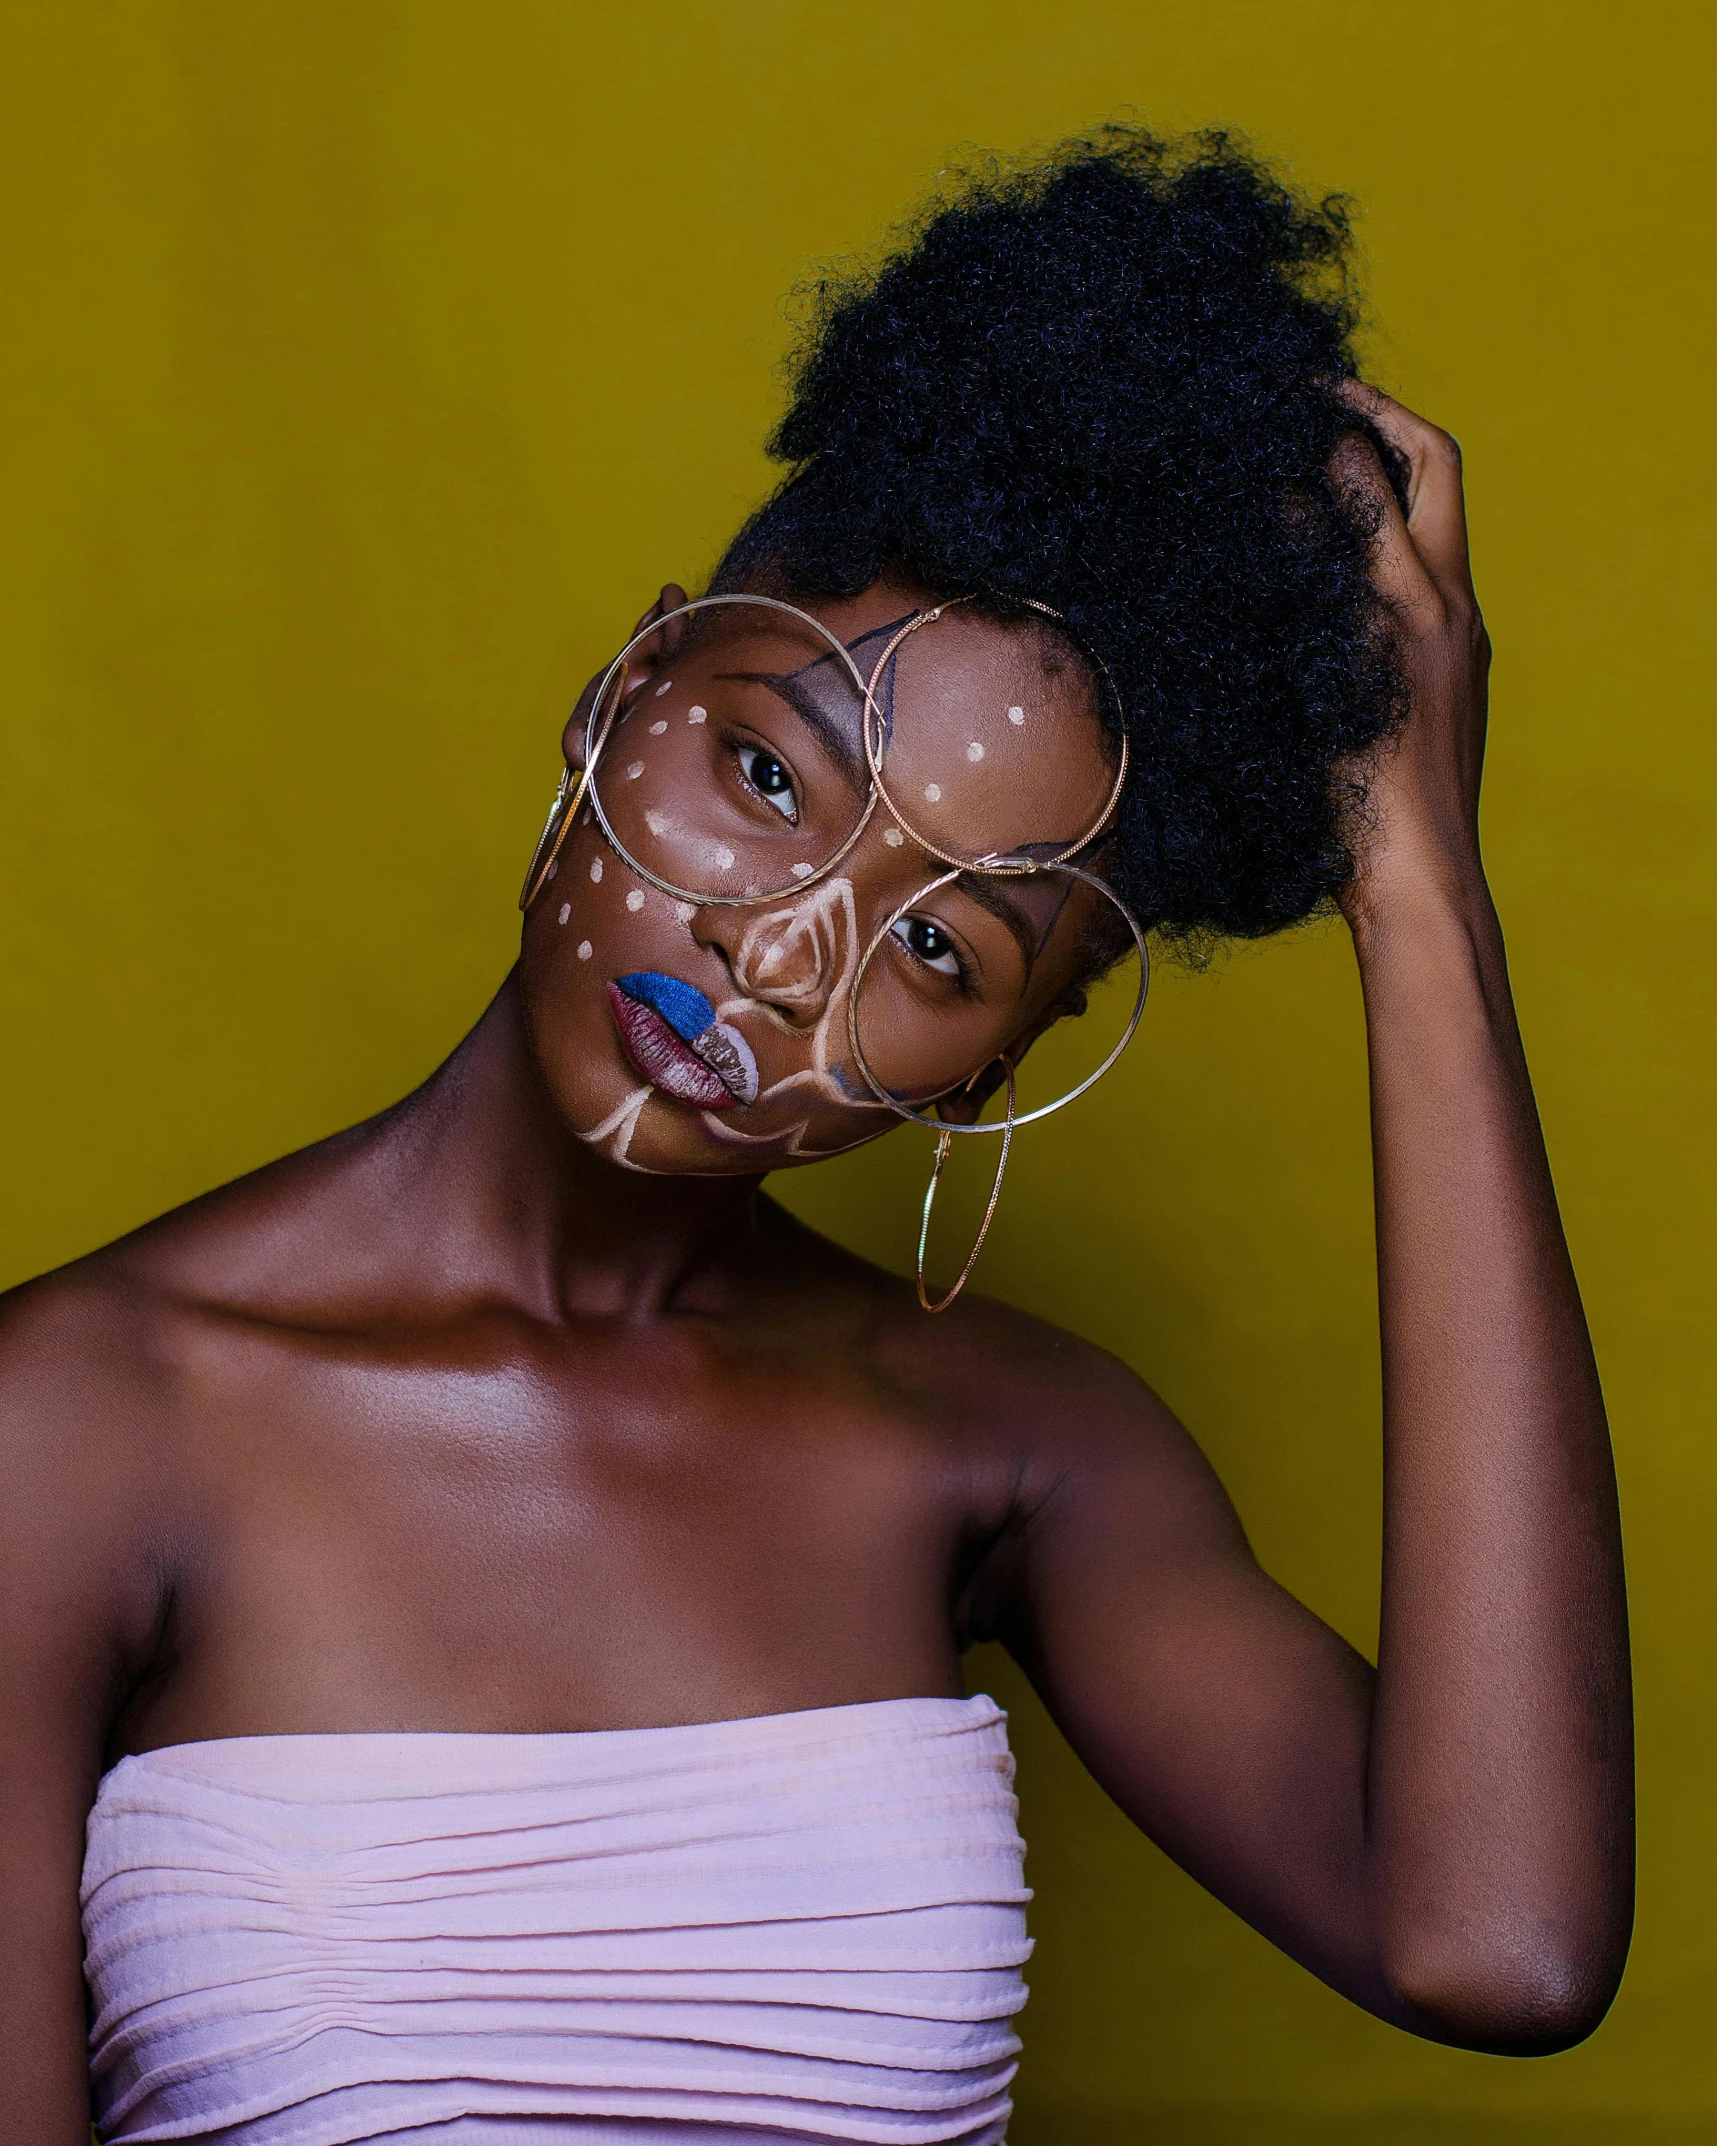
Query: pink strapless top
<point x="805" y="1927"/>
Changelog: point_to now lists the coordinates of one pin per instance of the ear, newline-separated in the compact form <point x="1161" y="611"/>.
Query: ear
<point x="644" y="663"/>
<point x="965" y="1105"/>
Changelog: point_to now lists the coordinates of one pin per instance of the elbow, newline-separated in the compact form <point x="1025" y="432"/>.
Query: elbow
<point x="1530" y="1999"/>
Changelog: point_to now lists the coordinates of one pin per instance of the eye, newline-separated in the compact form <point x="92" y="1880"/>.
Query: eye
<point x="769" y="778"/>
<point x="929" y="944"/>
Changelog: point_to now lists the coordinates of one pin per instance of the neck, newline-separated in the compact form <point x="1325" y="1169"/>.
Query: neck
<point x="506" y="1200"/>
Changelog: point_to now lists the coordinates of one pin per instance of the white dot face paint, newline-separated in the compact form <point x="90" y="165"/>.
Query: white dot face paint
<point x="893" y="837"/>
<point x="596" y="870"/>
<point x="634" y="771"/>
<point x="697" y="715"/>
<point x="666" y="686"/>
<point x="684" y="911"/>
<point x="585" y="822"/>
<point x="1016" y="716"/>
<point x="565" y="911"/>
<point x="552" y="870"/>
<point x="585" y="950"/>
<point x="974" y="751"/>
<point x="658" y="730"/>
<point x="724" y="857"/>
<point x="656" y="822"/>
<point x="635" y="900"/>
<point x="933" y="792"/>
<point x="803" y="871"/>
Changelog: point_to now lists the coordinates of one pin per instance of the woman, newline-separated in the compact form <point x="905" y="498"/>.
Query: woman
<point x="492" y="1586"/>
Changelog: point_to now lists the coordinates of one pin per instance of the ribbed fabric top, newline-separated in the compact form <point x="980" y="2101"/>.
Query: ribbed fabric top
<point x="800" y="1927"/>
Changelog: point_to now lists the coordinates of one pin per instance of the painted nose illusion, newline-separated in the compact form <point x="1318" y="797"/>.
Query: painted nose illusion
<point x="672" y="1036"/>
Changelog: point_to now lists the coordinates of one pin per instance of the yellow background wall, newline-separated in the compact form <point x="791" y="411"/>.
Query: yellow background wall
<point x="373" y="360"/>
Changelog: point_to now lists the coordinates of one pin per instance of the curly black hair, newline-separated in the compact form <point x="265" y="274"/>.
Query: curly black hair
<point x="1109" y="380"/>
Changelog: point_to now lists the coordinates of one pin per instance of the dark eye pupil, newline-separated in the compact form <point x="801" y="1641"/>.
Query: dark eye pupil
<point x="927" y="942"/>
<point x="769" y="775"/>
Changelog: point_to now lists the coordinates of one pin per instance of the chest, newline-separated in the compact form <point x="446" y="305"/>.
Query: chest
<point x="601" y="1534"/>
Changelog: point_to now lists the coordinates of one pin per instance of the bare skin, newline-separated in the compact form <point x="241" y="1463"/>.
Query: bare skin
<point x="479" y="1417"/>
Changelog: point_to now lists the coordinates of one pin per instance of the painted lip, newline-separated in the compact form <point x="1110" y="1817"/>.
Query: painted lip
<point x="669" y="1032"/>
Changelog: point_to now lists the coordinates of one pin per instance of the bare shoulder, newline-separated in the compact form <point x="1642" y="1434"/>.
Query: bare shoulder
<point x="98" y="1360"/>
<point x="1051" y="1406"/>
<point x="74" y="1361"/>
<point x="85" y="1524"/>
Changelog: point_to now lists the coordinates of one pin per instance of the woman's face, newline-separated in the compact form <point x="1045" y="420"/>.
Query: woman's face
<point x="685" y="1036"/>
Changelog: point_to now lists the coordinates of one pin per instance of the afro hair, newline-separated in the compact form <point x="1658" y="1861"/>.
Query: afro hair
<point x="1110" y="380"/>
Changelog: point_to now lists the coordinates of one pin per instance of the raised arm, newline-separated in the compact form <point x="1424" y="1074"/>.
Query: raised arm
<point x="1448" y="1840"/>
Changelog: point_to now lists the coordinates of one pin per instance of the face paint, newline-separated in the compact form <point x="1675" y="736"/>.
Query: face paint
<point x="974" y="751"/>
<point x="596" y="870"/>
<point x="635" y="900"/>
<point x="554" y="867"/>
<point x="618" y="1127"/>
<point x="666" y="686"/>
<point x="697" y="715"/>
<point x="829" y="918"/>
<point x="585" y="950"/>
<point x="893" y="837"/>
<point x="933" y="792"/>
<point x="634" y="771"/>
<point x="1016" y="716"/>
<point x="565" y="911"/>
<point x="658" y="730"/>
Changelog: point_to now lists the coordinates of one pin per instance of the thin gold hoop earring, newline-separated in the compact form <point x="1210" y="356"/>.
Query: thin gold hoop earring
<point x="561" y="814"/>
<point x="944" y="1147"/>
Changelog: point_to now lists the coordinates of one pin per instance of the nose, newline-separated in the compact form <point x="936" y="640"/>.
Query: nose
<point x="791" y="958"/>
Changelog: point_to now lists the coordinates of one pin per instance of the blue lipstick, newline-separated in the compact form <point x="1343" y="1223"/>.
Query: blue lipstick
<point x="672" y="1036"/>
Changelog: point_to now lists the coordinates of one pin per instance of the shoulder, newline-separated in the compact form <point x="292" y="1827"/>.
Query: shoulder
<point x="86" y="1502"/>
<point x="1043" y="1396"/>
<point x="101" y="1360"/>
<point x="74" y="1347"/>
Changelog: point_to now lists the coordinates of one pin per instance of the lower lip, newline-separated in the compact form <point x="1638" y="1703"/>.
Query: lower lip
<point x="663" y="1060"/>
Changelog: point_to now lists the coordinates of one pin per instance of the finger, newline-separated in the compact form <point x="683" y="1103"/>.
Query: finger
<point x="1396" y="567"/>
<point x="1436" y="503"/>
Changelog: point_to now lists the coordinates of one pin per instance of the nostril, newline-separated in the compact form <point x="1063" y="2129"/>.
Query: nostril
<point x="788" y="959"/>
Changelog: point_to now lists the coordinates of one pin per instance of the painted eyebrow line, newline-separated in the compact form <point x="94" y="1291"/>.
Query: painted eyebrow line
<point x="785" y="686"/>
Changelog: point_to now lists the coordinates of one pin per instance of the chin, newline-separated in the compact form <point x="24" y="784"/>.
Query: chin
<point x="638" y="1129"/>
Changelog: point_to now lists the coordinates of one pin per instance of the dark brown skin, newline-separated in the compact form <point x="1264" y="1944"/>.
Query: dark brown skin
<point x="451" y="1423"/>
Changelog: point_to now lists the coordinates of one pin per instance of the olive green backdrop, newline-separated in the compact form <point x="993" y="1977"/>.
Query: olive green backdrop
<point x="370" y="365"/>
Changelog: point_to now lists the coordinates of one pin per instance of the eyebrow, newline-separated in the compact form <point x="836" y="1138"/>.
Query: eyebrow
<point x="796" y="689"/>
<point x="788" y="686"/>
<point x="995" y="895"/>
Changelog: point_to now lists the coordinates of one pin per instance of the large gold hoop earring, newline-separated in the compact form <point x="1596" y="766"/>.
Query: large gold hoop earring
<point x="702" y="897"/>
<point x="855" y="1041"/>
<point x="944" y="1146"/>
<point x="996" y="862"/>
<point x="561" y="814"/>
